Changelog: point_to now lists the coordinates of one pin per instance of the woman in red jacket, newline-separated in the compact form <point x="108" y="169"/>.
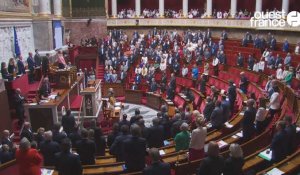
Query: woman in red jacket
<point x="28" y="159"/>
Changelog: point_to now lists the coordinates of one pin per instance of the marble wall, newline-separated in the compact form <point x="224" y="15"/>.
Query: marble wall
<point x="79" y="29"/>
<point x="24" y="30"/>
<point x="43" y="34"/>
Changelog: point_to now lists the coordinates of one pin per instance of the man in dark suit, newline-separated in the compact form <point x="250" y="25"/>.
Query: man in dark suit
<point x="136" y="116"/>
<point x="45" y="64"/>
<point x="102" y="53"/>
<point x="157" y="167"/>
<point x="86" y="149"/>
<point x="68" y="122"/>
<point x="173" y="81"/>
<point x="45" y="88"/>
<point x="117" y="146"/>
<point x="216" y="117"/>
<point x="279" y="144"/>
<point x="5" y="140"/>
<point x="37" y="58"/>
<point x="170" y="92"/>
<point x="138" y="79"/>
<point x="153" y="85"/>
<point x="248" y="120"/>
<point x="134" y="150"/>
<point x="231" y="93"/>
<point x="19" y="105"/>
<point x="124" y="121"/>
<point x="209" y="107"/>
<point x="67" y="163"/>
<point x="134" y="86"/>
<point x="290" y="129"/>
<point x="155" y="135"/>
<point x="244" y="83"/>
<point x="48" y="149"/>
<point x="226" y="108"/>
<point x="58" y="135"/>
<point x="26" y="132"/>
<point x="31" y="66"/>
<point x="21" y="67"/>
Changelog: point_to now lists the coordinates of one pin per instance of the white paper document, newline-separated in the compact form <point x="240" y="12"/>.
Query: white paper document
<point x="47" y="171"/>
<point x="275" y="171"/>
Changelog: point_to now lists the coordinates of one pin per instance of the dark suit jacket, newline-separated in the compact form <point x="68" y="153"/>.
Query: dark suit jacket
<point x="30" y="63"/>
<point x="45" y="90"/>
<point x="68" y="164"/>
<point x="58" y="136"/>
<point x="248" y="122"/>
<point x="291" y="138"/>
<point x="28" y="134"/>
<point x="6" y="156"/>
<point x="211" y="166"/>
<point x="232" y="93"/>
<point x="134" y="153"/>
<point x="48" y="149"/>
<point x="21" y="67"/>
<point x="155" y="137"/>
<point x="279" y="146"/>
<point x="19" y="101"/>
<point x="117" y="147"/>
<point x="7" y="142"/>
<point x="111" y="138"/>
<point x="216" y="117"/>
<point x="86" y="149"/>
<point x="68" y="123"/>
<point x="233" y="166"/>
<point x="158" y="168"/>
<point x="208" y="110"/>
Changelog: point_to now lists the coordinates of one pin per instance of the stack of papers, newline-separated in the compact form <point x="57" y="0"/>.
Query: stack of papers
<point x="242" y="113"/>
<point x="47" y="171"/>
<point x="275" y="171"/>
<point x="228" y="125"/>
<point x="166" y="142"/>
<point x="208" y="125"/>
<point x="222" y="144"/>
<point x="52" y="97"/>
<point x="162" y="152"/>
<point x="266" y="154"/>
<point x="239" y="134"/>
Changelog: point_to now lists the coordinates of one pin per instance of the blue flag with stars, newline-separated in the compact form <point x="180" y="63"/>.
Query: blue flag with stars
<point x="16" y="43"/>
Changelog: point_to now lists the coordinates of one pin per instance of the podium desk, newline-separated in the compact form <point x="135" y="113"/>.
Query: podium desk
<point x="153" y="100"/>
<point x="47" y="112"/>
<point x="92" y="99"/>
<point x="133" y="96"/>
<point x="170" y="106"/>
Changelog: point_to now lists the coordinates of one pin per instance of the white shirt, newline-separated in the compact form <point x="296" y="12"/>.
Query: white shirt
<point x="266" y="54"/>
<point x="184" y="71"/>
<point x="297" y="50"/>
<point x="198" y="138"/>
<point x="279" y="74"/>
<point x="255" y="67"/>
<point x="145" y="60"/>
<point x="261" y="65"/>
<point x="275" y="101"/>
<point x="261" y="114"/>
<point x="215" y="62"/>
<point x="138" y="70"/>
<point x="163" y="66"/>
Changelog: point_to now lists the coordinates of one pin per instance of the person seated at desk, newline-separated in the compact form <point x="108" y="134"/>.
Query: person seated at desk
<point x="61" y="60"/>
<point x="45" y="89"/>
<point x="4" y="72"/>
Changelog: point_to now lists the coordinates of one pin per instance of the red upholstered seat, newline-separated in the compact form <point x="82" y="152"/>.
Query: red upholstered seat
<point x="179" y="101"/>
<point x="76" y="103"/>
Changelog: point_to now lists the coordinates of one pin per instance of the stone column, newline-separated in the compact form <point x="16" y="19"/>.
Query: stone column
<point x="137" y="8"/>
<point x="285" y="6"/>
<point x="185" y="7"/>
<point x="209" y="8"/>
<point x="57" y="4"/>
<point x="114" y="8"/>
<point x="161" y="8"/>
<point x="258" y="6"/>
<point x="233" y="8"/>
<point x="44" y="7"/>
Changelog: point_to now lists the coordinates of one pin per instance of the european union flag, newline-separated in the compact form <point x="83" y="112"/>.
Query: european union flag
<point x="17" y="47"/>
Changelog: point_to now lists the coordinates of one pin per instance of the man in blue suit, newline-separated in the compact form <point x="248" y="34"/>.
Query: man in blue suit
<point x="138" y="79"/>
<point x="31" y="66"/>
